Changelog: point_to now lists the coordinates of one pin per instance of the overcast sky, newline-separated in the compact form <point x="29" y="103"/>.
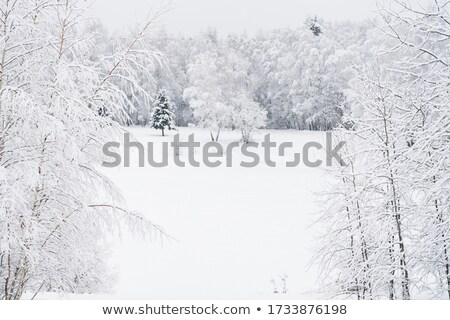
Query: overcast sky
<point x="191" y="16"/>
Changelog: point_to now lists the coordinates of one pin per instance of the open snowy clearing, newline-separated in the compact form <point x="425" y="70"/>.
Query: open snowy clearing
<point x="236" y="228"/>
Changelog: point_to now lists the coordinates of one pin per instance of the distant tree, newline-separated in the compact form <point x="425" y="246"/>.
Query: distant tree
<point x="248" y="115"/>
<point x="206" y="94"/>
<point x="220" y="93"/>
<point x="315" y="27"/>
<point x="162" y="115"/>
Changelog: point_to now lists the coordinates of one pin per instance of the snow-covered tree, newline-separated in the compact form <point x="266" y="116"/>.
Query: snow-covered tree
<point x="172" y="74"/>
<point x="204" y="94"/>
<point x="347" y="254"/>
<point x="401" y="163"/>
<point x="314" y="26"/>
<point x="55" y="206"/>
<point x="162" y="117"/>
<point x="247" y="116"/>
<point x="427" y="74"/>
<point x="219" y="93"/>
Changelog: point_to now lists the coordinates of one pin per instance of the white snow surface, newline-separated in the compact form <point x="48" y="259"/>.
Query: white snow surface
<point x="236" y="228"/>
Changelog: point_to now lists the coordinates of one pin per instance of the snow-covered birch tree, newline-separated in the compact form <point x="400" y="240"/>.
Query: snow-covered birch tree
<point x="219" y="94"/>
<point x="403" y="166"/>
<point x="55" y="206"/>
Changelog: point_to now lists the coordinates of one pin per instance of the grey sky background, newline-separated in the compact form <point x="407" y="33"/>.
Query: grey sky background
<point x="191" y="16"/>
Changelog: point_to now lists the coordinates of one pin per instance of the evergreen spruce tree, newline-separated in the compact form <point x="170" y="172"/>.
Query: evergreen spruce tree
<point x="162" y="116"/>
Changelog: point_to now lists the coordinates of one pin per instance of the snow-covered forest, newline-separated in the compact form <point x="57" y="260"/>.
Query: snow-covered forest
<point x="382" y="216"/>
<point x="291" y="78"/>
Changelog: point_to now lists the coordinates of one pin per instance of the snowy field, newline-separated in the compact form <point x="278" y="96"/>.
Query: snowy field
<point x="237" y="229"/>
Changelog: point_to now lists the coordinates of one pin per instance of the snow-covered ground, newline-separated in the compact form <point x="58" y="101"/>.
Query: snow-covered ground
<point x="237" y="229"/>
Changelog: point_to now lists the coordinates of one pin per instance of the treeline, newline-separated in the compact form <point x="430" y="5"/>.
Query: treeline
<point x="290" y="78"/>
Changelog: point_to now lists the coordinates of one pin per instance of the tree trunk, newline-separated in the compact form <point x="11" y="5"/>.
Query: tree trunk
<point x="391" y="284"/>
<point x="217" y="135"/>
<point x="364" y="254"/>
<point x="396" y="211"/>
<point x="445" y="247"/>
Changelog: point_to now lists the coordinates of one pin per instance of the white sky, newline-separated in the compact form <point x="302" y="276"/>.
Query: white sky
<point x="191" y="16"/>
